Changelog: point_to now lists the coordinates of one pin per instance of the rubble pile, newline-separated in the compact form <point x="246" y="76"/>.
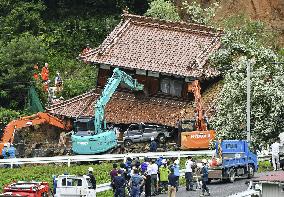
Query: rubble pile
<point x="39" y="141"/>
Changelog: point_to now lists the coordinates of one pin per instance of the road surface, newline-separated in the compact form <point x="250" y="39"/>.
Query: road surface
<point x="217" y="188"/>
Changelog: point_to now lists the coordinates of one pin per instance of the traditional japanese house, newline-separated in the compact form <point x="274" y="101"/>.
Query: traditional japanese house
<point x="165" y="56"/>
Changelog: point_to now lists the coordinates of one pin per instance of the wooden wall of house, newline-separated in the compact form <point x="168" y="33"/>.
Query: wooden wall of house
<point x="103" y="76"/>
<point x="151" y="84"/>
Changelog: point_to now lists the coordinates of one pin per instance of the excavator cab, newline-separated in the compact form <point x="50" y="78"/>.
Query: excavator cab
<point x="84" y="126"/>
<point x="86" y="141"/>
<point x="192" y="139"/>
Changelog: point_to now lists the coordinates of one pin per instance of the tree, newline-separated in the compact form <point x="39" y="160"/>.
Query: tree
<point x="200" y="15"/>
<point x="241" y="46"/>
<point x="6" y="115"/>
<point x="17" y="58"/>
<point x="21" y="17"/>
<point x="163" y="9"/>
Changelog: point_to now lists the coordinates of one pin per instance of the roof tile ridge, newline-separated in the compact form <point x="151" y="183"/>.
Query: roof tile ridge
<point x="179" y="23"/>
<point x="213" y="45"/>
<point x="71" y="100"/>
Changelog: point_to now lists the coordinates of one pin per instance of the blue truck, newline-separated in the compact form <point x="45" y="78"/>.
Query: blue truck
<point x="235" y="161"/>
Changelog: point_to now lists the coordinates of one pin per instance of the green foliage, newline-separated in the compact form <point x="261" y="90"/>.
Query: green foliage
<point x="243" y="45"/>
<point x="71" y="35"/>
<point x="21" y="17"/>
<point x="6" y="115"/>
<point x="163" y="9"/>
<point x="17" y="58"/>
<point x="264" y="166"/>
<point x="200" y="15"/>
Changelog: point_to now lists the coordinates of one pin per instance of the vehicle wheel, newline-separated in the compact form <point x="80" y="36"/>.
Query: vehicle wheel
<point x="232" y="175"/>
<point x="161" y="138"/>
<point x="250" y="171"/>
<point x="128" y="143"/>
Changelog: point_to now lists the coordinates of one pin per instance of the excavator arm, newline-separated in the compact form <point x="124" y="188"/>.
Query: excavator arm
<point x="200" y="137"/>
<point x="118" y="77"/>
<point x="36" y="119"/>
<point x="200" y="123"/>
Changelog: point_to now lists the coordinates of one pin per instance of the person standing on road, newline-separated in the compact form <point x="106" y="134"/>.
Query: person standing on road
<point x="119" y="185"/>
<point x="204" y="178"/>
<point x="136" y="181"/>
<point x="164" y="174"/>
<point x="188" y="174"/>
<point x="153" y="171"/>
<point x="92" y="177"/>
<point x="275" y="154"/>
<point x="113" y="173"/>
<point x="175" y="167"/>
<point x="172" y="188"/>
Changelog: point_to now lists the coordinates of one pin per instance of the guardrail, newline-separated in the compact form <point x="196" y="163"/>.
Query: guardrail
<point x="105" y="157"/>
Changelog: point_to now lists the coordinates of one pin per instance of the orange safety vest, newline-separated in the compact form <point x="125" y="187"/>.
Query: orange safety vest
<point x="44" y="73"/>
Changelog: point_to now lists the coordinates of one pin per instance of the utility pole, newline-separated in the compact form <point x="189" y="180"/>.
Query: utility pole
<point x="248" y="101"/>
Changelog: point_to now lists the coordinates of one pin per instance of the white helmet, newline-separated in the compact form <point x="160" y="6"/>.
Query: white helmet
<point x="204" y="161"/>
<point x="90" y="169"/>
<point x="152" y="138"/>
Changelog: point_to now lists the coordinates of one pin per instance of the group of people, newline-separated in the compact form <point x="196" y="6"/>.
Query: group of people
<point x="154" y="176"/>
<point x="45" y="77"/>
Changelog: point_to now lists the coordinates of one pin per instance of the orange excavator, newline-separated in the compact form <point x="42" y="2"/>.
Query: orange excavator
<point x="195" y="133"/>
<point x="36" y="119"/>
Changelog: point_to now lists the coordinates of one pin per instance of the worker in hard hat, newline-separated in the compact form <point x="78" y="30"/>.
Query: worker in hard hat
<point x="45" y="77"/>
<point x="204" y="178"/>
<point x="58" y="82"/>
<point x="92" y="177"/>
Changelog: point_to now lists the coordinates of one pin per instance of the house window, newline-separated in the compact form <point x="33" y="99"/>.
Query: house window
<point x="172" y="87"/>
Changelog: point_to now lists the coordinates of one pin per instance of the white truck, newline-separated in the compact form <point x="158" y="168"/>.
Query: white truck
<point x="73" y="186"/>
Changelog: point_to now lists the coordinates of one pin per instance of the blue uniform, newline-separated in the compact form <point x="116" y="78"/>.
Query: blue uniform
<point x="204" y="179"/>
<point x="136" y="181"/>
<point x="5" y="153"/>
<point x="119" y="184"/>
<point x="153" y="146"/>
<point x="12" y="152"/>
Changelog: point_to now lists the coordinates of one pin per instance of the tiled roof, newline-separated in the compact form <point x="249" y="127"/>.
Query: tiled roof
<point x="277" y="176"/>
<point x="124" y="108"/>
<point x="157" y="45"/>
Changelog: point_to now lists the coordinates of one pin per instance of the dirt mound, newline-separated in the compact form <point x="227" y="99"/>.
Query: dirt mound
<point x="39" y="141"/>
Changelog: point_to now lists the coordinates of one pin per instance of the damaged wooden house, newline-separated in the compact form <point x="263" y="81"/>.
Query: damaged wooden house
<point x="164" y="56"/>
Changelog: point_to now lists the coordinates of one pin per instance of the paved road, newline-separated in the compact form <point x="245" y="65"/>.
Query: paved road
<point x="217" y="189"/>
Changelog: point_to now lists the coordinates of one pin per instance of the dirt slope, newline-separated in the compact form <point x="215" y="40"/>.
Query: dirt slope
<point x="269" y="11"/>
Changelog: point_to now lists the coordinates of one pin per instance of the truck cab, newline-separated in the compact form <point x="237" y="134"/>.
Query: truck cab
<point x="236" y="161"/>
<point x="27" y="189"/>
<point x="73" y="186"/>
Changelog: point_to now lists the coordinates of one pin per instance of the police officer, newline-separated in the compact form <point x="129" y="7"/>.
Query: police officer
<point x="136" y="181"/>
<point x="119" y="185"/>
<point x="204" y="178"/>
